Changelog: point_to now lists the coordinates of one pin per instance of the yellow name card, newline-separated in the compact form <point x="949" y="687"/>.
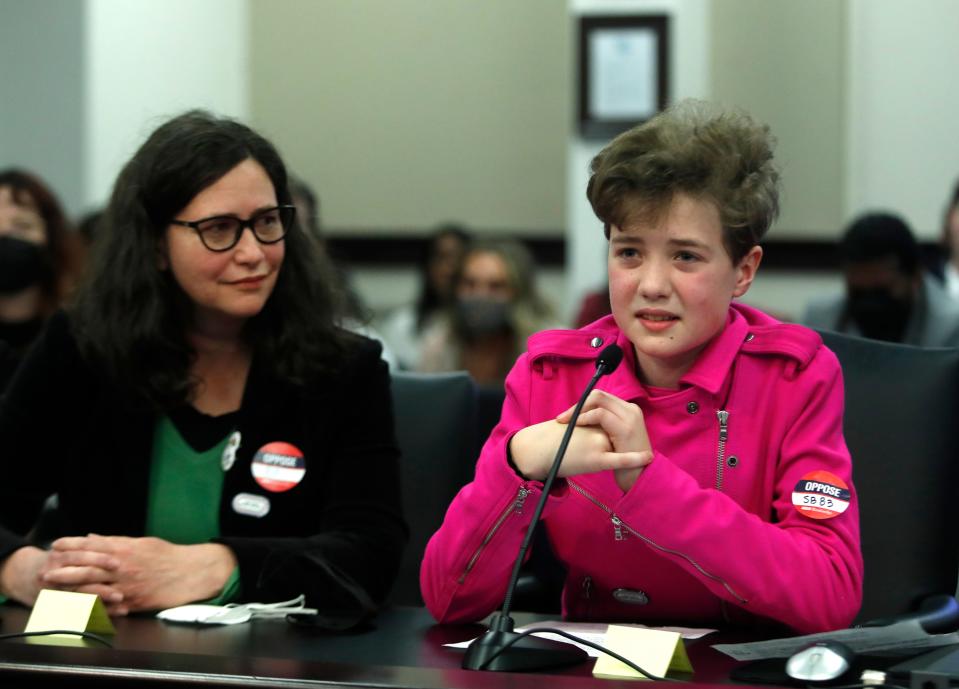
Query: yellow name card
<point x="654" y="650"/>
<point x="69" y="611"/>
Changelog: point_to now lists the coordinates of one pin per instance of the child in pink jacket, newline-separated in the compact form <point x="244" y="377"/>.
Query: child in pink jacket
<point x="708" y="481"/>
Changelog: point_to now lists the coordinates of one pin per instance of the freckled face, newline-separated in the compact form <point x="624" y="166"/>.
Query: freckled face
<point x="670" y="285"/>
<point x="229" y="286"/>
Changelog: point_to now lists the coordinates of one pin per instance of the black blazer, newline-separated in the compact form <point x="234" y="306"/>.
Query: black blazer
<point x="9" y="359"/>
<point x="337" y="536"/>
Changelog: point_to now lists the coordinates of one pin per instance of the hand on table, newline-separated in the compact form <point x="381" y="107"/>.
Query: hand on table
<point x="137" y="573"/>
<point x="22" y="574"/>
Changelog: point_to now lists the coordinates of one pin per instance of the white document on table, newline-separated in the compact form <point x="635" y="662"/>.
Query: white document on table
<point x="591" y="631"/>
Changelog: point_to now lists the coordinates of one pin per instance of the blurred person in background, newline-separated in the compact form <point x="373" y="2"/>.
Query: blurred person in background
<point x="85" y="235"/>
<point x="35" y="266"/>
<point x="594" y="305"/>
<point x="888" y="294"/>
<point x="405" y="326"/>
<point x="950" y="245"/>
<point x="356" y="316"/>
<point x="496" y="308"/>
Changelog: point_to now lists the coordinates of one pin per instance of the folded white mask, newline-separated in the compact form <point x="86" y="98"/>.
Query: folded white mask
<point x="234" y="613"/>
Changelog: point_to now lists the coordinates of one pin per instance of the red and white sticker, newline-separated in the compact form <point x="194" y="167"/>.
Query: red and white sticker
<point x="278" y="466"/>
<point x="821" y="495"/>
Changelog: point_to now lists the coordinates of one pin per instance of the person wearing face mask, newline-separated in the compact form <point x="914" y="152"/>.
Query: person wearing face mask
<point x="494" y="310"/>
<point x="33" y="262"/>
<point x="888" y="295"/>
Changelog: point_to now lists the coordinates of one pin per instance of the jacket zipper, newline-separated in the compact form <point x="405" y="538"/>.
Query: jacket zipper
<point x="723" y="417"/>
<point x="617" y="528"/>
<point x="515" y="506"/>
<point x="616" y="521"/>
<point x="623" y="525"/>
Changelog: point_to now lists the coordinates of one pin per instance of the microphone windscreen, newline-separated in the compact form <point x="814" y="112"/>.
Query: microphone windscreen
<point x="609" y="358"/>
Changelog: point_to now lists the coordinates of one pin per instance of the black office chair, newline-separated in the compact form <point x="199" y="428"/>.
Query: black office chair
<point x="436" y="430"/>
<point x="902" y="428"/>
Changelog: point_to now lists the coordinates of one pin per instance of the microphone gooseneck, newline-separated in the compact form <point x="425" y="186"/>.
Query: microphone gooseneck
<point x="498" y="649"/>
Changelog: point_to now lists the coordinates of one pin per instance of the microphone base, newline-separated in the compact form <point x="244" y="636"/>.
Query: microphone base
<point x="529" y="653"/>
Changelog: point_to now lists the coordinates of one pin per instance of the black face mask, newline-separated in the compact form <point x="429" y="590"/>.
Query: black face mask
<point x="878" y="314"/>
<point x="482" y="317"/>
<point x="21" y="265"/>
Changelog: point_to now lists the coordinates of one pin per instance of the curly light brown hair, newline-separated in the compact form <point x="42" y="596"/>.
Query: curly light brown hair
<point x="693" y="148"/>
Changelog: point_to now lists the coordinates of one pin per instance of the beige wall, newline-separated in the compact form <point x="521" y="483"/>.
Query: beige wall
<point x="903" y="152"/>
<point x="783" y="61"/>
<point x="406" y="113"/>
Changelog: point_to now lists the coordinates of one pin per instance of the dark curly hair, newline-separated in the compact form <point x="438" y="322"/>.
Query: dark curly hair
<point x="692" y="148"/>
<point x="131" y="317"/>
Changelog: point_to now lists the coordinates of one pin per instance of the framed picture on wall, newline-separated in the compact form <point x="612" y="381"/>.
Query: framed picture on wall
<point x="623" y="71"/>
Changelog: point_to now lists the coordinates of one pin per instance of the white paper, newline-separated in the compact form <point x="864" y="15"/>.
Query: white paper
<point x="622" y="80"/>
<point x="591" y="631"/>
<point x="901" y="638"/>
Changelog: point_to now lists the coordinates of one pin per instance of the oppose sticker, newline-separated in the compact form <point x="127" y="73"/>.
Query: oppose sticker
<point x="821" y="495"/>
<point x="278" y="466"/>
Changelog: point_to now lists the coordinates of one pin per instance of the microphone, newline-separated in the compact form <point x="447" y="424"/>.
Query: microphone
<point x="501" y="649"/>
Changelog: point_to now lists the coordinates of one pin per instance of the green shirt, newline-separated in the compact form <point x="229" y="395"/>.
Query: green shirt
<point x="183" y="505"/>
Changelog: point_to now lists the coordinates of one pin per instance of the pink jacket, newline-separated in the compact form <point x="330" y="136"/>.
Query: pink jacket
<point x="709" y="533"/>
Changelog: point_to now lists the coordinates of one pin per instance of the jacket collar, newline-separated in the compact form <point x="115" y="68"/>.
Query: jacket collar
<point x="708" y="372"/>
<point x="712" y="366"/>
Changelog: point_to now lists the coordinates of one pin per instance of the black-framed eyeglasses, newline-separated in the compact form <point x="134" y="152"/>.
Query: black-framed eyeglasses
<point x="223" y="232"/>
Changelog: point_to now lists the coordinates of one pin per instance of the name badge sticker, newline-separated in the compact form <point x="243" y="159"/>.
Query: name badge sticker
<point x="821" y="495"/>
<point x="251" y="505"/>
<point x="278" y="466"/>
<point x="228" y="458"/>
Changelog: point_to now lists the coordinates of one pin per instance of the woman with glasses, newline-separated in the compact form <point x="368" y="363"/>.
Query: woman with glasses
<point x="201" y="417"/>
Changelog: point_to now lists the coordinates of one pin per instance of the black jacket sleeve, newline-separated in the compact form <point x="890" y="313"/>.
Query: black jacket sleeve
<point x="8" y="364"/>
<point x="34" y="431"/>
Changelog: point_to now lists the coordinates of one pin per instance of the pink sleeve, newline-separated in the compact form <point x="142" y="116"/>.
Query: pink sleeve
<point x="468" y="561"/>
<point x="804" y="572"/>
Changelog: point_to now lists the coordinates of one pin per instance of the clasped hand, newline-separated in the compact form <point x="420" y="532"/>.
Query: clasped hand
<point x="610" y="434"/>
<point x="129" y="574"/>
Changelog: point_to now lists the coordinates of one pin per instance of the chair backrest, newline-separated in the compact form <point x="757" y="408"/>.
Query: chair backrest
<point x="436" y="430"/>
<point x="902" y="428"/>
<point x="489" y="406"/>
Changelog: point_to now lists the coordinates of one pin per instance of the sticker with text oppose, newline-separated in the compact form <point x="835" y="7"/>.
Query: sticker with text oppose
<point x="278" y="466"/>
<point x="821" y="495"/>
